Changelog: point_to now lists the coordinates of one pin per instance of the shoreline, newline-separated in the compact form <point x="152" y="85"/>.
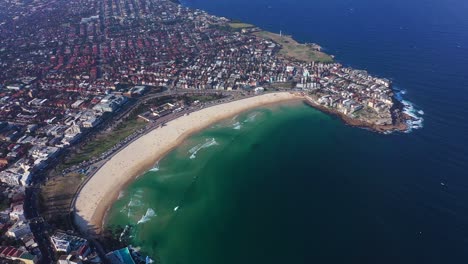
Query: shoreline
<point x="98" y="194"/>
<point x="398" y="126"/>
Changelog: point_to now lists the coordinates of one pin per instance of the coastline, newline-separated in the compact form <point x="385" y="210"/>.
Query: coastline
<point x="399" y="123"/>
<point x="97" y="195"/>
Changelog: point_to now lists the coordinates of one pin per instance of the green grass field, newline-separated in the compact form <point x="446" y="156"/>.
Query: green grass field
<point x="239" y="25"/>
<point x="104" y="142"/>
<point x="295" y="50"/>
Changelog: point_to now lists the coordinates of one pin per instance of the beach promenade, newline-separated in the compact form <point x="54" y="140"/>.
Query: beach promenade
<point x="97" y="195"/>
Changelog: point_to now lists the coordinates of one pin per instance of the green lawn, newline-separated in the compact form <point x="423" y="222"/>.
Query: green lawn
<point x="290" y="48"/>
<point x="239" y="25"/>
<point x="105" y="141"/>
<point x="189" y="99"/>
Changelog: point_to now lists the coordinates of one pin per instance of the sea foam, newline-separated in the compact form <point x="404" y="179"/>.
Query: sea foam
<point x="155" y="168"/>
<point x="208" y="143"/>
<point x="251" y="117"/>
<point x="237" y="125"/>
<point x="411" y="110"/>
<point x="125" y="233"/>
<point x="134" y="203"/>
<point x="417" y="120"/>
<point x="150" y="213"/>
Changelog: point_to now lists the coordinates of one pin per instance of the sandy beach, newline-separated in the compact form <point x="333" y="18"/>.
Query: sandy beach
<point x="98" y="194"/>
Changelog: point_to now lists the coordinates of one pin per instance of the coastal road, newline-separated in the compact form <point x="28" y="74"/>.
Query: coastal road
<point x="37" y="224"/>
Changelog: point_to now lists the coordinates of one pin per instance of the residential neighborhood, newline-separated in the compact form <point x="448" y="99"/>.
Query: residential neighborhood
<point x="70" y="69"/>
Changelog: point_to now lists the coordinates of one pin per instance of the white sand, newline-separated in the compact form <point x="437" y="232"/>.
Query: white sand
<point x="103" y="188"/>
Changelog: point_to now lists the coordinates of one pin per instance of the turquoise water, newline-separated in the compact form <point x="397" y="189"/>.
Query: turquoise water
<point x="297" y="186"/>
<point x="280" y="184"/>
<point x="372" y="199"/>
<point x="217" y="180"/>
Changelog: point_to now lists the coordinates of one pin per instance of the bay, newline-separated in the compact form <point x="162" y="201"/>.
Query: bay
<point x="296" y="185"/>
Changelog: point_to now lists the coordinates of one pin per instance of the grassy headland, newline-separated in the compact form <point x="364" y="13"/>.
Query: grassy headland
<point x="240" y="25"/>
<point x="295" y="50"/>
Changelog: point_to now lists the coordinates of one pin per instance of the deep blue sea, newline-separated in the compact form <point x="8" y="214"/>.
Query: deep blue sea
<point x="422" y="45"/>
<point x="301" y="187"/>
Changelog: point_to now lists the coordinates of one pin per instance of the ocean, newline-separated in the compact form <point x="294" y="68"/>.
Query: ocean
<point x="289" y="184"/>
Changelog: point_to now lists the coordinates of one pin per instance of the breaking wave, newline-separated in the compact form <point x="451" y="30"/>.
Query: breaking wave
<point x="208" y="143"/>
<point x="237" y="126"/>
<point x="150" y="213"/>
<point x="417" y="121"/>
<point x="411" y="110"/>
<point x="399" y="93"/>
<point x="156" y="167"/>
<point x="134" y="203"/>
<point x="125" y="233"/>
<point x="251" y="117"/>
